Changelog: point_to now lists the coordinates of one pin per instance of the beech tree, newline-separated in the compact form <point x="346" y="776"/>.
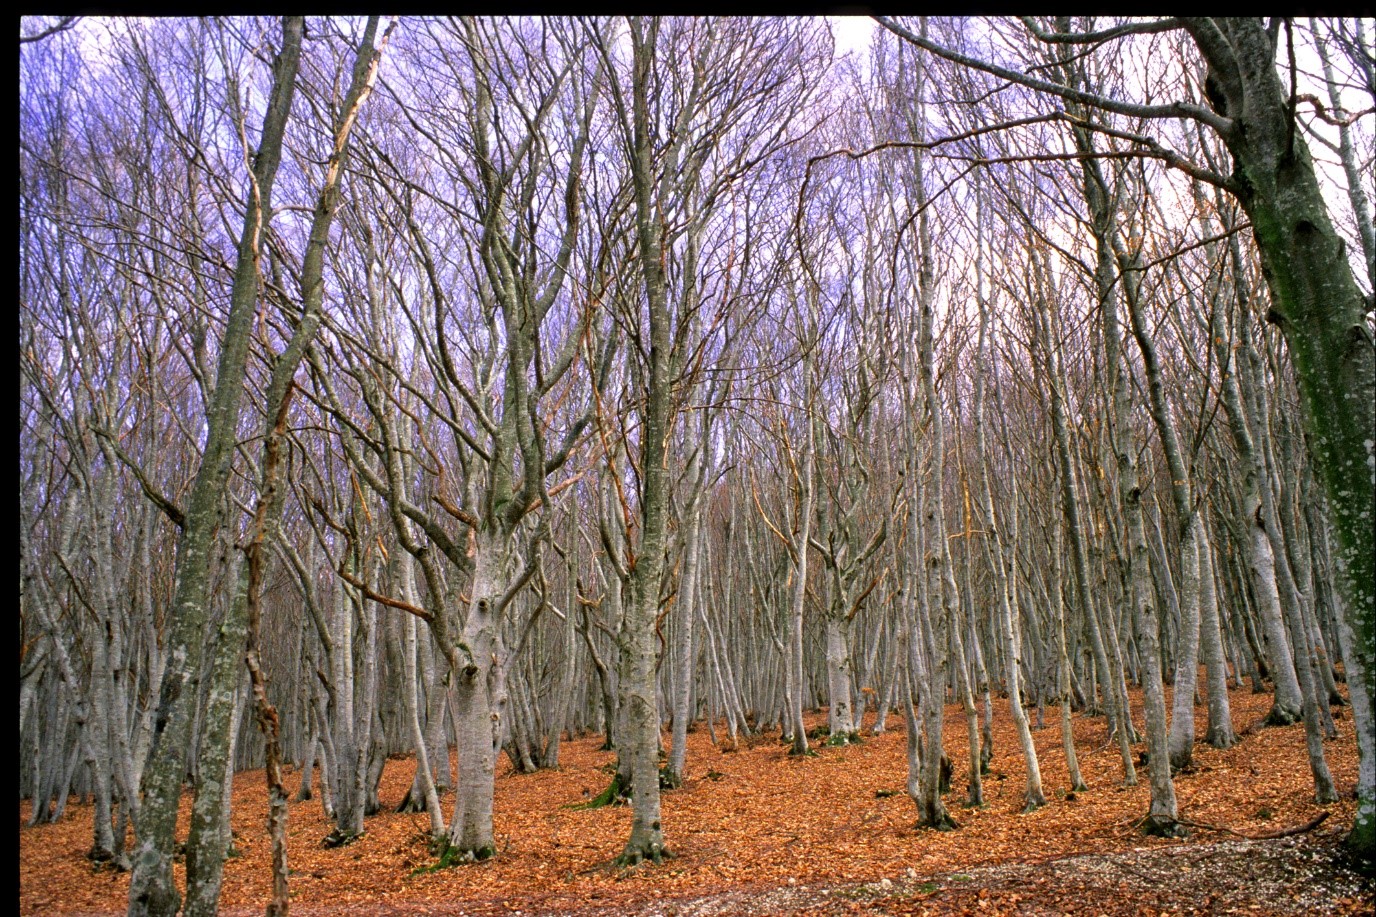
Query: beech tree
<point x="622" y="375"/>
<point x="1315" y="300"/>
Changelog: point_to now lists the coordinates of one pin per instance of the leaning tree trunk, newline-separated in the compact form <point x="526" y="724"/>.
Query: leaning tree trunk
<point x="1286" y="707"/>
<point x="1163" y="814"/>
<point x="152" y="889"/>
<point x="1323" y="315"/>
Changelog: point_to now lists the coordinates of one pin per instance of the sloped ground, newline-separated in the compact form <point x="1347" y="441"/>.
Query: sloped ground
<point x="757" y="832"/>
<point x="1290" y="877"/>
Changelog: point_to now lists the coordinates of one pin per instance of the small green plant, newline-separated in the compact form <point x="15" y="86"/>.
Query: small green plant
<point x="884" y="794"/>
<point x="451" y="856"/>
<point x="618" y="791"/>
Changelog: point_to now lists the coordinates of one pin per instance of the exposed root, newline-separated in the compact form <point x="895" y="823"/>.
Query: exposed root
<point x="1280" y="716"/>
<point x="632" y="857"/>
<point x="1265" y="835"/>
<point x="1163" y="826"/>
<point x="337" y="838"/>
<point x="451" y="855"/>
<point x="938" y="820"/>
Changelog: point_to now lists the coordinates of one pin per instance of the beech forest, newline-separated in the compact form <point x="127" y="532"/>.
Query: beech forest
<point x="631" y="465"/>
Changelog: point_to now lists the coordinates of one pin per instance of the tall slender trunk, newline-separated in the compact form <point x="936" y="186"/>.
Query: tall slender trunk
<point x="1220" y="730"/>
<point x="1288" y="702"/>
<point x="1115" y="701"/>
<point x="1072" y="762"/>
<point x="1163" y="816"/>
<point x="685" y="652"/>
<point x="152" y="889"/>
<point x="793" y="677"/>
<point x="411" y="701"/>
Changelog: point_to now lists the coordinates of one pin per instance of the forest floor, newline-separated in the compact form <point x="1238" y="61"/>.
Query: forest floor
<point x="755" y="832"/>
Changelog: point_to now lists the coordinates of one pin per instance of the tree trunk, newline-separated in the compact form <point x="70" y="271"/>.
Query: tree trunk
<point x="1220" y="731"/>
<point x="476" y="712"/>
<point x="1322" y="313"/>
<point x="685" y="651"/>
<point x="152" y="890"/>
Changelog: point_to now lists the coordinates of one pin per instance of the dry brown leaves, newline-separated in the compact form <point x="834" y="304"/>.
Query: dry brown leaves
<point x="745" y="821"/>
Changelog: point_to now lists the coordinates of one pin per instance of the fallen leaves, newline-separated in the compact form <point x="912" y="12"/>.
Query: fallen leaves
<point x="744" y="821"/>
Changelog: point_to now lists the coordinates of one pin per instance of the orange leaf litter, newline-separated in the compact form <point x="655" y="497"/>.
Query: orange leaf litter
<point x="749" y="818"/>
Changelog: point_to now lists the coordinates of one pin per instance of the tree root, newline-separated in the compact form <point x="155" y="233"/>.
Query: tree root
<point x="1278" y="716"/>
<point x="1163" y="826"/>
<point x="629" y="858"/>
<point x="1265" y="835"/>
<point x="337" y="838"/>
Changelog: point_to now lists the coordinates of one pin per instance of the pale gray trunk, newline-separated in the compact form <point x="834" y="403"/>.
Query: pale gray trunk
<point x="1115" y="700"/>
<point x="1002" y="566"/>
<point x="348" y="748"/>
<point x="1163" y="814"/>
<point x="91" y="714"/>
<point x="411" y="699"/>
<point x="1181" y="739"/>
<point x="841" y="714"/>
<point x="435" y="677"/>
<point x="937" y="608"/>
<point x="793" y="660"/>
<point x="975" y="784"/>
<point x="303" y="792"/>
<point x="1271" y="520"/>
<point x="686" y="616"/>
<point x="1180" y="742"/>
<point x="476" y="708"/>
<point x="1220" y="732"/>
<point x="937" y="611"/>
<point x="1260" y="558"/>
<point x="1072" y="762"/>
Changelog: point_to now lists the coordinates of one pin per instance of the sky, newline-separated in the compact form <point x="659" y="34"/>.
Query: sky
<point x="852" y="32"/>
